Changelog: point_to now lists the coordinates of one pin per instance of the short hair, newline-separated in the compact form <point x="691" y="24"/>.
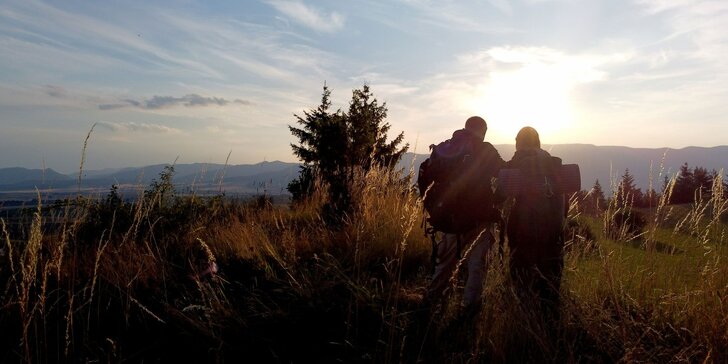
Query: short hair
<point x="527" y="137"/>
<point x="477" y="126"/>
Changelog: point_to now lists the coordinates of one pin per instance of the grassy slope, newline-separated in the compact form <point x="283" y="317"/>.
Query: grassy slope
<point x="124" y="283"/>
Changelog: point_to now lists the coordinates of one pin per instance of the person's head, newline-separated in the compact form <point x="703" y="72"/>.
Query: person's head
<point x="527" y="138"/>
<point x="476" y="126"/>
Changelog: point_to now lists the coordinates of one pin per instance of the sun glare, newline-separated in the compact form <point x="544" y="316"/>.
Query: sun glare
<point x="530" y="96"/>
<point x="534" y="91"/>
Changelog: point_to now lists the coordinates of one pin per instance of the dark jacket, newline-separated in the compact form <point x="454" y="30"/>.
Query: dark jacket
<point x="535" y="222"/>
<point x="487" y="163"/>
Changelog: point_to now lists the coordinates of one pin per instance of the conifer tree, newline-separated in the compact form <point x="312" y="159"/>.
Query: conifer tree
<point x="333" y="144"/>
<point x="367" y="131"/>
<point x="650" y="199"/>
<point x="323" y="143"/>
<point x="684" y="190"/>
<point x="598" y="198"/>
<point x="627" y="193"/>
<point x="703" y="181"/>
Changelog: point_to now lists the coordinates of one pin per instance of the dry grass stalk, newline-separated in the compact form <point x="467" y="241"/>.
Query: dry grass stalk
<point x="83" y="156"/>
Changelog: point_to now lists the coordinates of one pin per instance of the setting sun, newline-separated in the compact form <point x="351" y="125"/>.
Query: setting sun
<point x="530" y="96"/>
<point x="534" y="88"/>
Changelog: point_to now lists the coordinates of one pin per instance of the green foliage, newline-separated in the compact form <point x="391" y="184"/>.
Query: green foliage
<point x="161" y="193"/>
<point x="627" y="193"/>
<point x="592" y="201"/>
<point x="650" y="199"/>
<point x="155" y="215"/>
<point x="335" y="145"/>
<point x="303" y="186"/>
<point x="626" y="225"/>
<point x="367" y="133"/>
<point x="290" y="289"/>
<point x="684" y="186"/>
<point x="693" y="184"/>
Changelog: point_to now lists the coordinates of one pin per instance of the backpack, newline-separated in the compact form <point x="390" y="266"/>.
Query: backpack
<point x="454" y="183"/>
<point x="566" y="179"/>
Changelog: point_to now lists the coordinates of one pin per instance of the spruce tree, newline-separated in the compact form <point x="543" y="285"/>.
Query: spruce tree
<point x="323" y="142"/>
<point x="627" y="193"/>
<point x="334" y="144"/>
<point x="368" y="132"/>
<point x="598" y="197"/>
<point x="703" y="181"/>
<point x="684" y="190"/>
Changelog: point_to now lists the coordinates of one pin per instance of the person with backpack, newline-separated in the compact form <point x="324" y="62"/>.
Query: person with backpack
<point x="535" y="223"/>
<point x="456" y="185"/>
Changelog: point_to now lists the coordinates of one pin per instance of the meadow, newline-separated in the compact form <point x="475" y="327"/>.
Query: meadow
<point x="169" y="278"/>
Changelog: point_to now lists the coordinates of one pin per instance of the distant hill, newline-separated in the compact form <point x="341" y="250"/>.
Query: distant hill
<point x="18" y="175"/>
<point x="271" y="177"/>
<point x="643" y="163"/>
<point x="606" y="163"/>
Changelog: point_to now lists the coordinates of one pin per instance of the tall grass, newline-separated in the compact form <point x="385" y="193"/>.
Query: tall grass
<point x="132" y="281"/>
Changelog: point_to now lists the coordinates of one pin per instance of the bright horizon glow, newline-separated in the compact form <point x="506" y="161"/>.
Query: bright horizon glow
<point x="537" y="93"/>
<point x="529" y="97"/>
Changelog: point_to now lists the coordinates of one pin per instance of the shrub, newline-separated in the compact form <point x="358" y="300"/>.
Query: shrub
<point x="626" y="225"/>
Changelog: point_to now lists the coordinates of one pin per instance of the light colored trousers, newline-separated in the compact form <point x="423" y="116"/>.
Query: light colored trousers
<point x="476" y="263"/>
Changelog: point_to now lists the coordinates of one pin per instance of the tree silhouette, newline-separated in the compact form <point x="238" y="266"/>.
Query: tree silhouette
<point x="684" y="190"/>
<point x="322" y="148"/>
<point x="703" y="181"/>
<point x="367" y="132"/>
<point x="650" y="198"/>
<point x="334" y="144"/>
<point x="595" y="200"/>
<point x="691" y="184"/>
<point x="598" y="193"/>
<point x="627" y="193"/>
<point x="322" y="136"/>
<point x="665" y="184"/>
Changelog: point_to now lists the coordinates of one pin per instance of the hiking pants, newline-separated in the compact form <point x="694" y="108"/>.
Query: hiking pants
<point x="475" y="262"/>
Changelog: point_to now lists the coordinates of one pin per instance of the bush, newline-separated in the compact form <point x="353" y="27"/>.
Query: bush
<point x="578" y="233"/>
<point x="626" y="225"/>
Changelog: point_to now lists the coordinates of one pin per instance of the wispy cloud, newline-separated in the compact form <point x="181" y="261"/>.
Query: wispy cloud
<point x="55" y="91"/>
<point x="309" y="16"/>
<point x="101" y="34"/>
<point x="161" y="102"/>
<point x="502" y="5"/>
<point x="137" y="127"/>
<point x="259" y="51"/>
<point x="657" y="6"/>
<point x="456" y="16"/>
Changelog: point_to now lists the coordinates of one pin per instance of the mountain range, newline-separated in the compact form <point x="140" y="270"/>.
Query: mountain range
<point x="605" y="163"/>
<point x="268" y="177"/>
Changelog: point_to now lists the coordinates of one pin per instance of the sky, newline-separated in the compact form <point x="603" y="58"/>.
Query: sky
<point x="196" y="81"/>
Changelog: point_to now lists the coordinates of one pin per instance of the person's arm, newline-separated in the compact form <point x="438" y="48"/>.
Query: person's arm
<point x="496" y="163"/>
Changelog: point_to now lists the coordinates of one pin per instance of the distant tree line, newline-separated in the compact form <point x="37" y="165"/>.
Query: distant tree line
<point x="690" y="185"/>
<point x="695" y="184"/>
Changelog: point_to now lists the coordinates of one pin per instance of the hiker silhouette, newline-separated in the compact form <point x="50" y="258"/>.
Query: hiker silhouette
<point x="456" y="185"/>
<point x="535" y="223"/>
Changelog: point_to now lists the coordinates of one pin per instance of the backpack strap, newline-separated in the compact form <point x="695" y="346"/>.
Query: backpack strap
<point x="433" y="256"/>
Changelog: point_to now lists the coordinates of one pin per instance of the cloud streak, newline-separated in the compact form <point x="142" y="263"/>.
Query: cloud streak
<point x="309" y="16"/>
<point x="55" y="91"/>
<point x="132" y="127"/>
<point x="89" y="32"/>
<point x="163" y="102"/>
